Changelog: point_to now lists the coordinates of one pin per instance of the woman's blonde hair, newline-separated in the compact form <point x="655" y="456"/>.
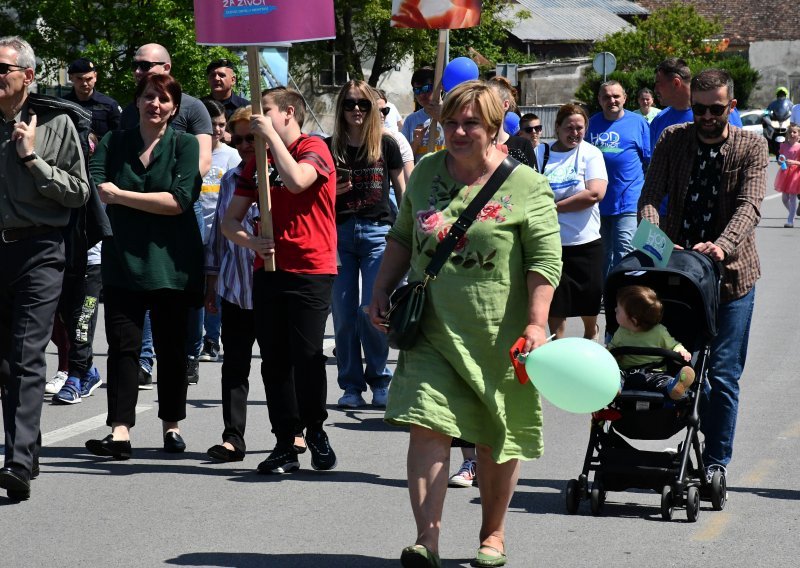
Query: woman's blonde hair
<point x="480" y="95"/>
<point x="371" y="133"/>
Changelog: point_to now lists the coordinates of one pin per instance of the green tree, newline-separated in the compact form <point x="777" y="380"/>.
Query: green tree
<point x="108" y="32"/>
<point x="675" y="31"/>
<point x="363" y="32"/>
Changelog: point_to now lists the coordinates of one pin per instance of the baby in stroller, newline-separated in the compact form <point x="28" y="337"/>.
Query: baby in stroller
<point x="638" y="313"/>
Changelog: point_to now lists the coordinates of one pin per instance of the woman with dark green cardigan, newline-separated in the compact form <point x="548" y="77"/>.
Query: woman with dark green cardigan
<point x="148" y="177"/>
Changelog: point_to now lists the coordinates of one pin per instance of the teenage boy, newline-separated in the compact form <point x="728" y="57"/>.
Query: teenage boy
<point x="416" y="124"/>
<point x="291" y="304"/>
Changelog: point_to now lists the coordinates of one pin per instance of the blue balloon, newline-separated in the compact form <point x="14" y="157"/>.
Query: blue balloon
<point x="511" y="123"/>
<point x="457" y="71"/>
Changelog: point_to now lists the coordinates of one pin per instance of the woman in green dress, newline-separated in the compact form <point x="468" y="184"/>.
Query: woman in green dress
<point x="457" y="380"/>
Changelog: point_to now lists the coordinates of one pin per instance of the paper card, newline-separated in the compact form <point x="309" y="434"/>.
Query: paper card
<point x="653" y="242"/>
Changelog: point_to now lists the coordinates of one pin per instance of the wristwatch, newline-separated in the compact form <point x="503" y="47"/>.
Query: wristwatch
<point x="28" y="158"/>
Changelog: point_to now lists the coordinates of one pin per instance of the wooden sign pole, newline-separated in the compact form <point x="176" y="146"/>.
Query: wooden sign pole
<point x="264" y="200"/>
<point x="441" y="55"/>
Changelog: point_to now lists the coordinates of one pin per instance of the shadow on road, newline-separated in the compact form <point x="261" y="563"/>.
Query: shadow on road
<point x="311" y="560"/>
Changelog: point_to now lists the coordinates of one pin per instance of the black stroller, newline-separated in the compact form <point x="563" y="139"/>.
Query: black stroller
<point x="689" y="291"/>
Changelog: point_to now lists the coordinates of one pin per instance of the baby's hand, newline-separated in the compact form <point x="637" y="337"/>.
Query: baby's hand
<point x="686" y="355"/>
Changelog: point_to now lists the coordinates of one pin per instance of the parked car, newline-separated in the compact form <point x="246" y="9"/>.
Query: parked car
<point x="751" y="120"/>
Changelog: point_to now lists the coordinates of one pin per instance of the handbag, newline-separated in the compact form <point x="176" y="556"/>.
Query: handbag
<point x="406" y="304"/>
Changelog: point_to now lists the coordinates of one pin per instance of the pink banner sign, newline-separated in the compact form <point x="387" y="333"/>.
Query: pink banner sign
<point x="263" y="22"/>
<point x="436" y="14"/>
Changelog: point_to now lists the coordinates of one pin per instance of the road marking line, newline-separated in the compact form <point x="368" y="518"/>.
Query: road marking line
<point x="757" y="475"/>
<point x="792" y="431"/>
<point x="78" y="428"/>
<point x="767" y="198"/>
<point x="713" y="528"/>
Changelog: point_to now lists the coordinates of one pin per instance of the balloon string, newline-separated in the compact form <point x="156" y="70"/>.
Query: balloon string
<point x="522" y="356"/>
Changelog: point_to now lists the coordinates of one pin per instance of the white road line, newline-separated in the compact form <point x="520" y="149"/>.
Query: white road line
<point x="60" y="434"/>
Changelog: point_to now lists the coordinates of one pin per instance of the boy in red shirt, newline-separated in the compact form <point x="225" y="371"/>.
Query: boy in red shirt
<point x="291" y="304"/>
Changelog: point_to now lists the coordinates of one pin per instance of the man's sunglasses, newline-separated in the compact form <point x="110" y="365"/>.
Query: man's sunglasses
<point x="6" y="68"/>
<point x="145" y="65"/>
<point x="529" y="129"/>
<point x="423" y="89"/>
<point x="364" y="105"/>
<point x="716" y="110"/>
<point x="385" y="111"/>
<point x="236" y="139"/>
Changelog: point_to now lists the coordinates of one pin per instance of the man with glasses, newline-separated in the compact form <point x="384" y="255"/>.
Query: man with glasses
<point x="192" y="118"/>
<point x="624" y="139"/>
<point x="105" y="110"/>
<point x="415" y="127"/>
<point x="221" y="76"/>
<point x="42" y="177"/>
<point x="715" y="177"/>
<point x="530" y="127"/>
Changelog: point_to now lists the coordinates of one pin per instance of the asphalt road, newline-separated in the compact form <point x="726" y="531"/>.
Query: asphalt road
<point x="164" y="510"/>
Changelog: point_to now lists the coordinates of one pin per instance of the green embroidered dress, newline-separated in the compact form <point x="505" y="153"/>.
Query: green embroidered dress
<point x="458" y="378"/>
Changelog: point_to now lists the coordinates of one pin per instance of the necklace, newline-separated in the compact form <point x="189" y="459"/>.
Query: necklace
<point x="451" y="170"/>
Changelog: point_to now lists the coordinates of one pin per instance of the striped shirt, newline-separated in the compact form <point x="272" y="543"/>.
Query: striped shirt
<point x="233" y="264"/>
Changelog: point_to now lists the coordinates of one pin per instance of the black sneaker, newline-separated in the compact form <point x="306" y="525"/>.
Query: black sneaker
<point x="210" y="352"/>
<point x="192" y="371"/>
<point x="145" y="380"/>
<point x="322" y="455"/>
<point x="283" y="459"/>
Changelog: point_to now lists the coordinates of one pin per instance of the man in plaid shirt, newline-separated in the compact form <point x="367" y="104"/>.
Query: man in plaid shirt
<point x="715" y="177"/>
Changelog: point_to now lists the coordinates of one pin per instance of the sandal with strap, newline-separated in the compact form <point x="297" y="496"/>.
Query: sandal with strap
<point x="483" y="560"/>
<point x="419" y="556"/>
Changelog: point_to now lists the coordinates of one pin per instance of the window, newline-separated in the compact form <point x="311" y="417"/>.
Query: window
<point x="334" y="74"/>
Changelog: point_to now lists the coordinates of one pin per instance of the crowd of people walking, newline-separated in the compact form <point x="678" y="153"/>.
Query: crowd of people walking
<point x="168" y="186"/>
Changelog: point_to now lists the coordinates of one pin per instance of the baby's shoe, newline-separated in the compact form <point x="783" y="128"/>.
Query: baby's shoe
<point x="681" y="383"/>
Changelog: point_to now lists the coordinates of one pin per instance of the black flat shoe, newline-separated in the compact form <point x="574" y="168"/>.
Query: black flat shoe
<point x="173" y="443"/>
<point x="109" y="447"/>
<point x="223" y="454"/>
<point x="17" y="482"/>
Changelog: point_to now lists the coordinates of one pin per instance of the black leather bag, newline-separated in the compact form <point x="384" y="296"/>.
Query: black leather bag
<point x="407" y="303"/>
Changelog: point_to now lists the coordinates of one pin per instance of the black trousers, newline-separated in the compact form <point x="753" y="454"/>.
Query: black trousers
<point x="291" y="310"/>
<point x="30" y="284"/>
<point x="124" y="316"/>
<point x="239" y="336"/>
<point x="77" y="308"/>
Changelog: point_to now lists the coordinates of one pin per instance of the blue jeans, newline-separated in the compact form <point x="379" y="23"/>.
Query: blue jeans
<point x="147" y="353"/>
<point x="617" y="233"/>
<point x="361" y="246"/>
<point x="213" y="323"/>
<point x="720" y="402"/>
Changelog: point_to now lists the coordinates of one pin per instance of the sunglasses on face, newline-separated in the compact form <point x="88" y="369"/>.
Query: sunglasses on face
<point x="363" y="105"/>
<point x="6" y="68"/>
<point x="145" y="65"/>
<point x="385" y="111"/>
<point x="236" y="139"/>
<point x="423" y="89"/>
<point x="529" y="129"/>
<point x="716" y="110"/>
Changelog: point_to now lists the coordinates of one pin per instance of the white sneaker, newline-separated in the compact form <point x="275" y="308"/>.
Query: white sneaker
<point x="52" y="386"/>
<point x="352" y="400"/>
<point x="379" y="397"/>
<point x="466" y="476"/>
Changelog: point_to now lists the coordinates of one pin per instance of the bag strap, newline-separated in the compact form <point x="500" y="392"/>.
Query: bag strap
<point x="546" y="157"/>
<point x="459" y="228"/>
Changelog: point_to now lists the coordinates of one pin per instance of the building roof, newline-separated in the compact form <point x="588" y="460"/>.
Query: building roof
<point x="744" y="21"/>
<point x="618" y="7"/>
<point x="557" y="21"/>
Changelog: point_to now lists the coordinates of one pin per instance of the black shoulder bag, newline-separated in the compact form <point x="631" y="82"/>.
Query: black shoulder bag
<point x="407" y="302"/>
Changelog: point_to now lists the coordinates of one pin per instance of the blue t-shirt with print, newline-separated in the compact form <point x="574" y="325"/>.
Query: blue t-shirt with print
<point x="625" y="144"/>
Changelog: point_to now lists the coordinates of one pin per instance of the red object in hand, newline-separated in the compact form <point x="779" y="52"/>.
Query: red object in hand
<point x="519" y="366"/>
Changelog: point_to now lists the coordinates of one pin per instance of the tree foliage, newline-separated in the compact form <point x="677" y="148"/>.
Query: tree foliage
<point x="675" y="31"/>
<point x="108" y="32"/>
<point x="364" y="33"/>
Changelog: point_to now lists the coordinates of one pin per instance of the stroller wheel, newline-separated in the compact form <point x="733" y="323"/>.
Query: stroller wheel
<point x="667" y="505"/>
<point x="692" y="504"/>
<point x="597" y="499"/>
<point x="719" y="491"/>
<point x="573" y="496"/>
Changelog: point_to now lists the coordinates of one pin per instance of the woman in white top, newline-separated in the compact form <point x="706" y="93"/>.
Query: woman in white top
<point x="577" y="175"/>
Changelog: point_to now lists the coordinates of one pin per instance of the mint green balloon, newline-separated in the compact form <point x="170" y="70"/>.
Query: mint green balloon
<point x="574" y="374"/>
